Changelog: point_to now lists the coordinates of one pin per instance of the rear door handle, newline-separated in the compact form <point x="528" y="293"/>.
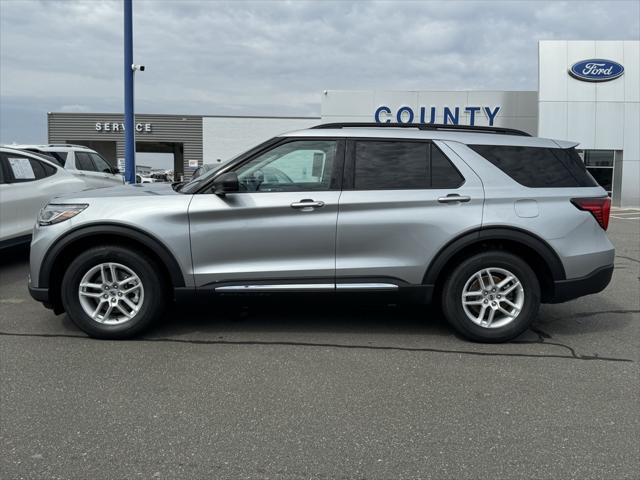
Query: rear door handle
<point x="453" y="197"/>
<point x="307" y="204"/>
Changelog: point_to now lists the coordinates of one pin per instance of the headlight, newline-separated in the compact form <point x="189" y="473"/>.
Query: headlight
<point x="52" y="213"/>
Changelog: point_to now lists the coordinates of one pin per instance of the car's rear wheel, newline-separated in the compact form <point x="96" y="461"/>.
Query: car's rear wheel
<point x="491" y="297"/>
<point x="113" y="292"/>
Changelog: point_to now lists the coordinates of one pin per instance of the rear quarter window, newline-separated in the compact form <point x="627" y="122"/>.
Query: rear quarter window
<point x="538" y="167"/>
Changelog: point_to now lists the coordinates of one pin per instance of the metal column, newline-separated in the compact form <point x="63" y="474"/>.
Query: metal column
<point x="129" y="127"/>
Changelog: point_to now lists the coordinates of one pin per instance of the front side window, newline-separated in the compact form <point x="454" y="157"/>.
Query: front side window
<point x="100" y="163"/>
<point x="84" y="162"/>
<point x="305" y="165"/>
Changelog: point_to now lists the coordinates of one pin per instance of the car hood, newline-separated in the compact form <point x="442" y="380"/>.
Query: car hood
<point x="136" y="190"/>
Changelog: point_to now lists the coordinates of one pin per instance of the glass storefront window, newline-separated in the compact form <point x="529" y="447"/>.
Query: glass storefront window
<point x="599" y="163"/>
<point x="598" y="158"/>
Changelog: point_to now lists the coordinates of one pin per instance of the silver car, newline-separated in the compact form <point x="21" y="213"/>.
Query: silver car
<point x="489" y="222"/>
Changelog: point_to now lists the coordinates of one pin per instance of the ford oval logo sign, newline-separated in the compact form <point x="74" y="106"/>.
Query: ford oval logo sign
<point x="596" y="70"/>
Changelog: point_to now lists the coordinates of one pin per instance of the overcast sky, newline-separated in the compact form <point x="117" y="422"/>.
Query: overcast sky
<point x="273" y="58"/>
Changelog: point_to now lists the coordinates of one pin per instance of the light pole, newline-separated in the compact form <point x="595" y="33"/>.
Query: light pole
<point x="129" y="69"/>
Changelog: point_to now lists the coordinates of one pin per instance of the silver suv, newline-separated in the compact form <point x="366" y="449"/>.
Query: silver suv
<point x="488" y="222"/>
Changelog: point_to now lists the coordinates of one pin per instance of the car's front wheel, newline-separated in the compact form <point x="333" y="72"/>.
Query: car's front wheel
<point x="113" y="292"/>
<point x="491" y="297"/>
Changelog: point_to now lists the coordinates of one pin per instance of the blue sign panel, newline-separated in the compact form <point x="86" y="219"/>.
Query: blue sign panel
<point x="596" y="70"/>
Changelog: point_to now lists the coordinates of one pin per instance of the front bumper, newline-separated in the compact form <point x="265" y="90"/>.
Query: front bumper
<point x="39" y="294"/>
<point x="594" y="282"/>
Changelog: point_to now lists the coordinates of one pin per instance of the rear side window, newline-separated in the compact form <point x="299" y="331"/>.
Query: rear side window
<point x="395" y="165"/>
<point x="61" y="157"/>
<point x="19" y="169"/>
<point x="538" y="167"/>
<point x="50" y="156"/>
<point x="391" y="165"/>
<point x="83" y="162"/>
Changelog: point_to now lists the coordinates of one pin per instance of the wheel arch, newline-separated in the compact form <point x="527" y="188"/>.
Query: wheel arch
<point x="63" y="250"/>
<point x="535" y="251"/>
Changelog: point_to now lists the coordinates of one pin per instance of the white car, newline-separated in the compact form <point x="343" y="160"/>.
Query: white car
<point x="27" y="182"/>
<point x="81" y="161"/>
<point x="143" y="179"/>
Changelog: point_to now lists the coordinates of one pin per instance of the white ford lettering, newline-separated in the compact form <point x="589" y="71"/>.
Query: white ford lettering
<point x="594" y="69"/>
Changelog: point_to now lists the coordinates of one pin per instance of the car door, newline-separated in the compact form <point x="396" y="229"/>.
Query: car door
<point x="106" y="171"/>
<point x="402" y="201"/>
<point x="22" y="193"/>
<point x="279" y="231"/>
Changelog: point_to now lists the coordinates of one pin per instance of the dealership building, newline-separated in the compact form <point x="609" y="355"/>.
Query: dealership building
<point x="588" y="92"/>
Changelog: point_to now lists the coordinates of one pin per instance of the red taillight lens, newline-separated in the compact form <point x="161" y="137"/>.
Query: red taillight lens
<point x="599" y="208"/>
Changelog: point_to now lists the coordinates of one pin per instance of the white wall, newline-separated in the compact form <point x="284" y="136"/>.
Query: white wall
<point x="518" y="109"/>
<point x="603" y="115"/>
<point x="225" y="137"/>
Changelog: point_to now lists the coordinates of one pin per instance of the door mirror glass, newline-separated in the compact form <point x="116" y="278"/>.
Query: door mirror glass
<point x="226" y="183"/>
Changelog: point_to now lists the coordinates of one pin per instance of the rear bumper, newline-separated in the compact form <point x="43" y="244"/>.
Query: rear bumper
<point x="595" y="282"/>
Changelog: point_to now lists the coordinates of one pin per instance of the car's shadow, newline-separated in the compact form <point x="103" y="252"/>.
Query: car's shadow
<point x="318" y="316"/>
<point x="314" y="315"/>
<point x="14" y="256"/>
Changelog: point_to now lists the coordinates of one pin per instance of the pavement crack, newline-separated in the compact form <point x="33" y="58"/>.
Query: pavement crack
<point x="593" y="314"/>
<point x="544" y="336"/>
<point x="628" y="258"/>
<point x="573" y="356"/>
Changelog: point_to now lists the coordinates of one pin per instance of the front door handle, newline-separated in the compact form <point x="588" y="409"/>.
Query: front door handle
<point x="454" y="197"/>
<point x="307" y="204"/>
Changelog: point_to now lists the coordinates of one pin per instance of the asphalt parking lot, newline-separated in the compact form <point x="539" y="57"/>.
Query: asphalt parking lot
<point x="317" y="391"/>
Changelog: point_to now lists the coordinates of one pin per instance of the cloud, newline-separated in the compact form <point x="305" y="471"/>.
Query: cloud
<point x="74" y="108"/>
<point x="276" y="57"/>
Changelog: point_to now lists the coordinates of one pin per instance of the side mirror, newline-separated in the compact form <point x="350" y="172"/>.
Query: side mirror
<point x="226" y="183"/>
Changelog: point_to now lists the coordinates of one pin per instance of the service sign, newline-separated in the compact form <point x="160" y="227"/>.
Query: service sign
<point x="596" y="70"/>
<point x="119" y="127"/>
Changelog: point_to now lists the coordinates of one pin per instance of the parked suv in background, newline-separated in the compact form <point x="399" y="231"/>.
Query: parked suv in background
<point x="27" y="181"/>
<point x="489" y="222"/>
<point x="84" y="163"/>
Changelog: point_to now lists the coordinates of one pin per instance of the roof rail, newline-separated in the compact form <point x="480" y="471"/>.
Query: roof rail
<point x="427" y="126"/>
<point x="66" y="145"/>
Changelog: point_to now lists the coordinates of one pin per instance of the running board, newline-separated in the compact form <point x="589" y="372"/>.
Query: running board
<point x="305" y="287"/>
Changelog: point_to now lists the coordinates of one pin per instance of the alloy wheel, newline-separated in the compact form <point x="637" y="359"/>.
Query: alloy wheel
<point x="492" y="297"/>
<point x="111" y="293"/>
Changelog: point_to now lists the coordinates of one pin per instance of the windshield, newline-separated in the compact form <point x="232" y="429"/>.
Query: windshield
<point x="194" y="184"/>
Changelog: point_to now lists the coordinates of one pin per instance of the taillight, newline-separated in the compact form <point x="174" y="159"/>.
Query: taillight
<point x="599" y="208"/>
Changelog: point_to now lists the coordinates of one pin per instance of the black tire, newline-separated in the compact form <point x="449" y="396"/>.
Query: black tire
<point x="453" y="288"/>
<point x="150" y="275"/>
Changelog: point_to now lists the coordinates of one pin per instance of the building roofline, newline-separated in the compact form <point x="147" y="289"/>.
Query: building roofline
<point x="189" y="115"/>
